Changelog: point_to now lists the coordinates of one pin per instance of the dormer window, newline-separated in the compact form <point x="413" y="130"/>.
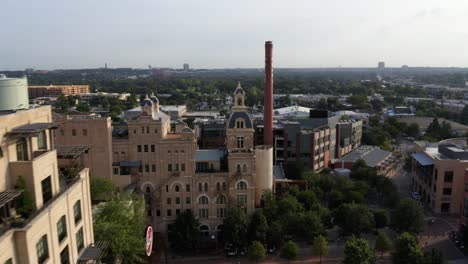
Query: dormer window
<point x="239" y="101"/>
<point x="240" y="123"/>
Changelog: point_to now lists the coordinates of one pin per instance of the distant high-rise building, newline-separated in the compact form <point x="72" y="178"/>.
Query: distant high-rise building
<point x="186" y="67"/>
<point x="381" y="66"/>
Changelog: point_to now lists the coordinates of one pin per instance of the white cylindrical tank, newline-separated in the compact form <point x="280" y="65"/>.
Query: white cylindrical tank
<point x="342" y="172"/>
<point x="263" y="171"/>
<point x="13" y="93"/>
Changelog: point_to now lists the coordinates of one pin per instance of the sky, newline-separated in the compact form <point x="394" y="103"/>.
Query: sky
<point x="65" y="34"/>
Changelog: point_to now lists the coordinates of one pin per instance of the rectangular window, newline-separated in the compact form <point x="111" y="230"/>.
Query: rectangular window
<point x="62" y="228"/>
<point x="146" y="168"/>
<point x="147" y="130"/>
<point x="155" y="131"/>
<point x="142" y="130"/>
<point x="21" y="149"/>
<point x="46" y="185"/>
<point x="73" y="132"/>
<point x="134" y="131"/>
<point x="182" y="167"/>
<point x="85" y="132"/>
<point x="146" y="148"/>
<point x="62" y="132"/>
<point x="220" y="212"/>
<point x="203" y="213"/>
<point x="158" y="212"/>
<point x="42" y="140"/>
<point x="177" y="200"/>
<point x="77" y="212"/>
<point x="177" y="211"/>
<point x="448" y="176"/>
<point x="187" y="187"/>
<point x="187" y="200"/>
<point x="168" y="201"/>
<point x="169" y="212"/>
<point x="241" y="199"/>
<point x="116" y="171"/>
<point x="42" y="250"/>
<point x="447" y="191"/>
<point x="149" y="213"/>
<point x="139" y="148"/>
<point x="153" y="168"/>
<point x="153" y="148"/>
<point x="177" y="167"/>
<point x="79" y="240"/>
<point x="169" y="167"/>
<point x="65" y="256"/>
<point x="240" y="142"/>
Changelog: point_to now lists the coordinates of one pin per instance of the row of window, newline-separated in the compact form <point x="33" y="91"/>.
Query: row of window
<point x="42" y="247"/>
<point x="221" y="199"/>
<point x="203" y="187"/>
<point x="84" y="132"/>
<point x="145" y="129"/>
<point x="22" y="146"/>
<point x="152" y="148"/>
<point x="202" y="212"/>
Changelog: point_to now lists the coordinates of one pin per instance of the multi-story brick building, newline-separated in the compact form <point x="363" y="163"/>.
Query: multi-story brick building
<point x="56" y="90"/>
<point x="58" y="228"/>
<point x="174" y="175"/>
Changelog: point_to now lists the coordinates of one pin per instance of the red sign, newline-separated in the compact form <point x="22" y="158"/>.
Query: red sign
<point x="149" y="240"/>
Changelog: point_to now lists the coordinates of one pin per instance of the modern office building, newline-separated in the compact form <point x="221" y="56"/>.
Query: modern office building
<point x="56" y="90"/>
<point x="55" y="226"/>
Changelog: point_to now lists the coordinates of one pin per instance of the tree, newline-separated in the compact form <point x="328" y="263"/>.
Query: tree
<point x="122" y="223"/>
<point x="357" y="251"/>
<point x="235" y="227"/>
<point x="275" y="234"/>
<point x="101" y="189"/>
<point x="256" y="251"/>
<point x="312" y="225"/>
<point x="433" y="257"/>
<point x="354" y="218"/>
<point x="258" y="227"/>
<point x="289" y="250"/>
<point x="412" y="130"/>
<point x="320" y="246"/>
<point x="82" y="108"/>
<point x="380" y="218"/>
<point x="409" y="216"/>
<point x="185" y="232"/>
<point x="25" y="201"/>
<point x="406" y="250"/>
<point x="382" y="243"/>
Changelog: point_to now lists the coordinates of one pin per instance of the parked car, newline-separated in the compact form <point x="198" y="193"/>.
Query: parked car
<point x="416" y="196"/>
<point x="271" y="249"/>
<point x="230" y="250"/>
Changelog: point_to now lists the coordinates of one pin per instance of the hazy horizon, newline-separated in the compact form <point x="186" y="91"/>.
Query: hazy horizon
<point x="221" y="34"/>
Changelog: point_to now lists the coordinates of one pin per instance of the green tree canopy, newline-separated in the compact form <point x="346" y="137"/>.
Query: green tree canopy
<point x="122" y="222"/>
<point x="409" y="216"/>
<point x="320" y="246"/>
<point x="256" y="251"/>
<point x="289" y="250"/>
<point x="354" y="218"/>
<point x="185" y="232"/>
<point x="235" y="227"/>
<point x="357" y="251"/>
<point x="258" y="227"/>
<point x="383" y="243"/>
<point x="101" y="189"/>
<point x="406" y="250"/>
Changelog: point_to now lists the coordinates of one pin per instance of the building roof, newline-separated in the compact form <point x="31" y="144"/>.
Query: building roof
<point x="236" y="115"/>
<point x="209" y="154"/>
<point x="30" y="129"/>
<point x="172" y="108"/>
<point x="71" y="151"/>
<point x="292" y="110"/>
<point x="372" y="155"/>
<point x="8" y="195"/>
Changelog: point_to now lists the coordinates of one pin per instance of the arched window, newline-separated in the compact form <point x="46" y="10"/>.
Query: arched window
<point x="203" y="200"/>
<point x="204" y="230"/>
<point x="239" y="101"/>
<point x="238" y="168"/>
<point x="218" y="186"/>
<point x="224" y="186"/>
<point x="148" y="189"/>
<point x="241" y="185"/>
<point x="221" y="199"/>
<point x="177" y="188"/>
<point x="244" y="168"/>
<point x="200" y="187"/>
<point x="206" y="187"/>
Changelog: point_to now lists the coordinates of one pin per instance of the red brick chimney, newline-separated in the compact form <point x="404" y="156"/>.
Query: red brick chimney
<point x="268" y="95"/>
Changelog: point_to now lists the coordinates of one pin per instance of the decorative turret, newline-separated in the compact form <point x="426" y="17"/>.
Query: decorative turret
<point x="147" y="106"/>
<point x="155" y="103"/>
<point x="239" y="99"/>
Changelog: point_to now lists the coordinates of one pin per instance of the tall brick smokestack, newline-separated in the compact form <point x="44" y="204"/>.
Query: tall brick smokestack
<point x="268" y="96"/>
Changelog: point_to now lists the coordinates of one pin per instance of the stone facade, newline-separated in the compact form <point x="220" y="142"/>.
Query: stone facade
<point x="27" y="150"/>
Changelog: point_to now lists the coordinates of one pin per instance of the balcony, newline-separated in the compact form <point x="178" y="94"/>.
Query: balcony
<point x="19" y="218"/>
<point x="28" y="167"/>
